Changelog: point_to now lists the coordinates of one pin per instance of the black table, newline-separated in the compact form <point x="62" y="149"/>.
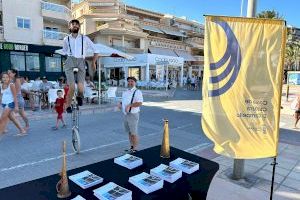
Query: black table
<point x="196" y="185"/>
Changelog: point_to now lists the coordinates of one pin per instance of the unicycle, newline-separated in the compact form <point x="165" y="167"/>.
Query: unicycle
<point x="75" y="119"/>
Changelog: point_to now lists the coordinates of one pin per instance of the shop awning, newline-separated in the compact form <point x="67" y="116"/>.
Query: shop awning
<point x="186" y="55"/>
<point x="103" y="51"/>
<point x="175" y="33"/>
<point x="162" y="51"/>
<point x="152" y="28"/>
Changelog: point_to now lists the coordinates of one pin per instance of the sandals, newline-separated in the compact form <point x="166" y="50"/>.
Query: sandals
<point x="23" y="133"/>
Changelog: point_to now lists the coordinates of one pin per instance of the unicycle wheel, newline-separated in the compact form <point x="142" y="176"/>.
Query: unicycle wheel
<point x="75" y="140"/>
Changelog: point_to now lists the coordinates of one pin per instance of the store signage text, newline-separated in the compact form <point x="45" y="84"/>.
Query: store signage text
<point x="123" y="60"/>
<point x="166" y="60"/>
<point x="13" y="47"/>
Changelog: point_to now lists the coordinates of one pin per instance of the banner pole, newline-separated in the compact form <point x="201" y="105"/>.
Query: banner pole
<point x="273" y="177"/>
<point x="239" y="164"/>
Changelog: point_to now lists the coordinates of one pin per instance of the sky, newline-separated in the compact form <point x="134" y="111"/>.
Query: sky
<point x="195" y="9"/>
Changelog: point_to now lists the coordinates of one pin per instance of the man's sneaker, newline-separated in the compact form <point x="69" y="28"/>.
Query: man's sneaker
<point x="69" y="109"/>
<point x="133" y="151"/>
<point x="79" y="100"/>
<point x="129" y="150"/>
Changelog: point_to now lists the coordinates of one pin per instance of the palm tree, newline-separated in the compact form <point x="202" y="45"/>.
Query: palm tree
<point x="292" y="55"/>
<point x="270" y="14"/>
<point x="289" y="57"/>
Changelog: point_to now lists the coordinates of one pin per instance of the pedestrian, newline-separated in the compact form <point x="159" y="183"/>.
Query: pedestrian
<point x="132" y="100"/>
<point x="188" y="82"/>
<point x="193" y="82"/>
<point x="59" y="108"/>
<point x="296" y="106"/>
<point x="9" y="104"/>
<point x="75" y="46"/>
<point x="14" y="77"/>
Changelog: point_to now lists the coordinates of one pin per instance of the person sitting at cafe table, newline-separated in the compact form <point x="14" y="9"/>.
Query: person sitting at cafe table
<point x="45" y="86"/>
<point x="89" y="86"/>
<point x="60" y="83"/>
<point x="27" y="93"/>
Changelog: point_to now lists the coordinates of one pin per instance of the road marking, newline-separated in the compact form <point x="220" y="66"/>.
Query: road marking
<point x="197" y="147"/>
<point x="181" y="127"/>
<point x="281" y="124"/>
<point x="68" y="155"/>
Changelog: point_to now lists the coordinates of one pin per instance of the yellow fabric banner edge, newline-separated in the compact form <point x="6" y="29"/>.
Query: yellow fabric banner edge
<point x="245" y="19"/>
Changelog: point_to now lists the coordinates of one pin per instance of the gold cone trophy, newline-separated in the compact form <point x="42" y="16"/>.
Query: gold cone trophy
<point x="62" y="187"/>
<point x="165" y="146"/>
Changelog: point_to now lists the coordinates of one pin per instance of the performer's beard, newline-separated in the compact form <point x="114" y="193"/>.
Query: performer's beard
<point x="74" y="30"/>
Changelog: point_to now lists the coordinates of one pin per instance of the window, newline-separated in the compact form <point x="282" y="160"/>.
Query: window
<point x="32" y="62"/>
<point x="17" y="60"/>
<point x="47" y="28"/>
<point x="23" y="23"/>
<point x="53" y="64"/>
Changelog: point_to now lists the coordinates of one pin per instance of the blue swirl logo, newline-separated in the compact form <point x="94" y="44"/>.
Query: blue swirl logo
<point x="233" y="52"/>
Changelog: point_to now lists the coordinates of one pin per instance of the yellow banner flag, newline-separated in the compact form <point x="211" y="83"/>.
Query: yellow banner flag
<point x="242" y="85"/>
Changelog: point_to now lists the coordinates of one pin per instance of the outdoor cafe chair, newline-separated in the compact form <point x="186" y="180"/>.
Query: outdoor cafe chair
<point x="52" y="96"/>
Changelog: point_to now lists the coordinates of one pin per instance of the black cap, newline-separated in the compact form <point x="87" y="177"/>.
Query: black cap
<point x="44" y="77"/>
<point x="131" y="78"/>
<point x="74" y="21"/>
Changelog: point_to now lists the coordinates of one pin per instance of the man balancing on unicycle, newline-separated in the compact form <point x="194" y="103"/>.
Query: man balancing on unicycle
<point x="75" y="47"/>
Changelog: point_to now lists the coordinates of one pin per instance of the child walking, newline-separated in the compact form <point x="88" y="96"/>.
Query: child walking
<point x="9" y="104"/>
<point x="59" y="108"/>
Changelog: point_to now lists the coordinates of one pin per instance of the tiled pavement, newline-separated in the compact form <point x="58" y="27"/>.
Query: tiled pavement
<point x="287" y="178"/>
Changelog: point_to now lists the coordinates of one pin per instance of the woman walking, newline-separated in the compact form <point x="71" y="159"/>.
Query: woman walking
<point x="9" y="103"/>
<point x="14" y="77"/>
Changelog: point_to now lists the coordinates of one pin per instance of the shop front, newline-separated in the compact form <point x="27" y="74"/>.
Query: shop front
<point x="31" y="60"/>
<point x="145" y="67"/>
<point x="118" y="69"/>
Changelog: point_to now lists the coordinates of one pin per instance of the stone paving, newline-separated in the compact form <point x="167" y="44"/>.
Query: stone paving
<point x="287" y="178"/>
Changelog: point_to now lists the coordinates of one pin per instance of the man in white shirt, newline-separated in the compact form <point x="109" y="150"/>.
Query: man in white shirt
<point x="132" y="99"/>
<point x="75" y="47"/>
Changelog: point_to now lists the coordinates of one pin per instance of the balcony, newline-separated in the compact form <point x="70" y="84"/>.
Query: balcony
<point x="199" y="58"/>
<point x="166" y="43"/>
<point x="131" y="50"/>
<point x="53" y="38"/>
<point x="195" y="42"/>
<point x="54" y="12"/>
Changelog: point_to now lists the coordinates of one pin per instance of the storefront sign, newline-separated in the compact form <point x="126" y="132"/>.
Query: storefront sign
<point x="138" y="60"/>
<point x="154" y="59"/>
<point x="13" y="47"/>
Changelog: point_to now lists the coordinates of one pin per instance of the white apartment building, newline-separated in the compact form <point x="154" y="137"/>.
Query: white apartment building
<point x="143" y="33"/>
<point x="30" y="32"/>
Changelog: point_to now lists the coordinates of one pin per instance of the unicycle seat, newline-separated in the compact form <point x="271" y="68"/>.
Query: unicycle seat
<point x="75" y="70"/>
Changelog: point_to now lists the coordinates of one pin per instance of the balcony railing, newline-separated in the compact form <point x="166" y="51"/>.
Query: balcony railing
<point x="199" y="58"/>
<point x="53" y="35"/>
<point x="55" y="7"/>
<point x="128" y="49"/>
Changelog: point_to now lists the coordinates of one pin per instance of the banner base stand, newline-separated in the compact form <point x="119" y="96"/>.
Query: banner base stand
<point x="248" y="181"/>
